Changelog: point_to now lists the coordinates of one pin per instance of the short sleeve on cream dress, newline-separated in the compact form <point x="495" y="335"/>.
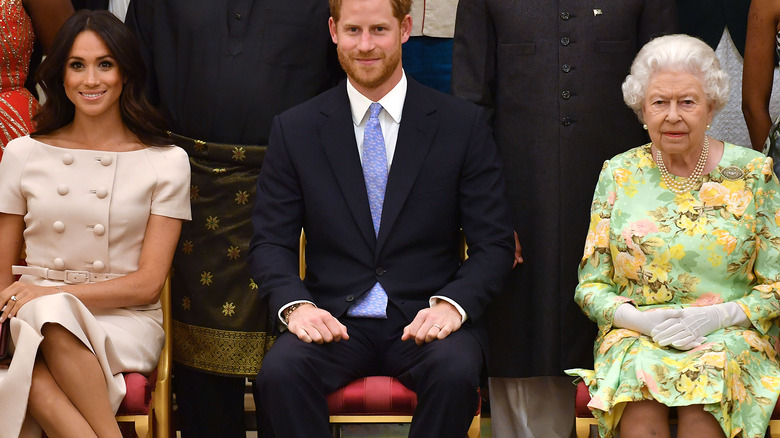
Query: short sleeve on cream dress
<point x="85" y="211"/>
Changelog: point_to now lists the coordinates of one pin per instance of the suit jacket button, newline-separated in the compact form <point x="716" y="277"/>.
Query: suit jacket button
<point x="350" y="298"/>
<point x="566" y="68"/>
<point x="380" y="271"/>
<point x="565" y="16"/>
<point x="565" y="41"/>
<point x="566" y="121"/>
<point x="566" y="94"/>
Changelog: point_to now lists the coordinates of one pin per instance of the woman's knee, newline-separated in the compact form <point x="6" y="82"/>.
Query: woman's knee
<point x="695" y="421"/>
<point x="644" y="418"/>
<point x="57" y="336"/>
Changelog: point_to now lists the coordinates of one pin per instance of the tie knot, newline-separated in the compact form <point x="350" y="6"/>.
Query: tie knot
<point x="375" y="109"/>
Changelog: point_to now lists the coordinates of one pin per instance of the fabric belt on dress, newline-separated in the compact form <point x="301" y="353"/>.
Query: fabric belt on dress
<point x="248" y="155"/>
<point x="68" y="276"/>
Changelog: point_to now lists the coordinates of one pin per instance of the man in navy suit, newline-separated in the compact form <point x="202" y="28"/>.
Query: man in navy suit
<point x="382" y="174"/>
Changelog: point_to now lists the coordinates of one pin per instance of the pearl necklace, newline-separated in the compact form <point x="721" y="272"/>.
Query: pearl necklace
<point x="677" y="186"/>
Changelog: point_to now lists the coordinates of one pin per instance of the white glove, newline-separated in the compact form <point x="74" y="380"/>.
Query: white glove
<point x="629" y="317"/>
<point x="691" y="329"/>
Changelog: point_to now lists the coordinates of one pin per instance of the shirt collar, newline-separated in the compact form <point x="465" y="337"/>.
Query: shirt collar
<point x="392" y="102"/>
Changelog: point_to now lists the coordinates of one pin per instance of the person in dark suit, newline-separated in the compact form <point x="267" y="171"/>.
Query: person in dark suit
<point x="381" y="173"/>
<point x="550" y="73"/>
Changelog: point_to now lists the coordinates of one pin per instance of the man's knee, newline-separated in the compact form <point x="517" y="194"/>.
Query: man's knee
<point x="458" y="369"/>
<point x="284" y="363"/>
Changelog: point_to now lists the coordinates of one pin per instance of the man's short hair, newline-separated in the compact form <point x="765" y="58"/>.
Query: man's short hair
<point x="401" y="8"/>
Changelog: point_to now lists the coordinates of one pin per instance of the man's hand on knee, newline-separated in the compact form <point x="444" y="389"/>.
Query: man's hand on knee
<point x="436" y="322"/>
<point x="312" y="324"/>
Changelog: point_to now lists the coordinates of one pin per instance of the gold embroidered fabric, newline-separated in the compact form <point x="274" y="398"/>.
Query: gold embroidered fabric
<point x="220" y="323"/>
<point x="220" y="351"/>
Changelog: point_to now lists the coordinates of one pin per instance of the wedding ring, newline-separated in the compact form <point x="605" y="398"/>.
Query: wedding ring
<point x="13" y="298"/>
<point x="437" y="326"/>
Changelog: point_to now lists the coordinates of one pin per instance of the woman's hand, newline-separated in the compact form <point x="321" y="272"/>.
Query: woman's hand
<point x="691" y="329"/>
<point x="629" y="317"/>
<point x="18" y="294"/>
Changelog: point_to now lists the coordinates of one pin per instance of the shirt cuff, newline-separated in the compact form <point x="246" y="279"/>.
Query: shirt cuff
<point x="435" y="299"/>
<point x="281" y="310"/>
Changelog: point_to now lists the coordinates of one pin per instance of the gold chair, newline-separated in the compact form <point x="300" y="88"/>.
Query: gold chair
<point x="376" y="399"/>
<point x="150" y="413"/>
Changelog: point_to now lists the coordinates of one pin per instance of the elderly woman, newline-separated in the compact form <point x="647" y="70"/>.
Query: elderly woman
<point x="682" y="263"/>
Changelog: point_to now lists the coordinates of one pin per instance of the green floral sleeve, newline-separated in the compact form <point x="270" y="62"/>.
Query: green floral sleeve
<point x="596" y="292"/>
<point x="762" y="305"/>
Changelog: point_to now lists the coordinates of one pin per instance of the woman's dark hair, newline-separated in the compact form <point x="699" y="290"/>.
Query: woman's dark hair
<point x="137" y="113"/>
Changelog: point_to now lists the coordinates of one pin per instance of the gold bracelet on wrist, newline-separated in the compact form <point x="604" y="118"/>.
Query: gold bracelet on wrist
<point x="289" y="310"/>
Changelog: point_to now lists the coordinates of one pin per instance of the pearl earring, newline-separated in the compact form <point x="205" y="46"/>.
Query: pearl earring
<point x="644" y="126"/>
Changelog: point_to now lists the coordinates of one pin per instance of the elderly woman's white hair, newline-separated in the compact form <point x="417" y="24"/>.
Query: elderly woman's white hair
<point x="676" y="53"/>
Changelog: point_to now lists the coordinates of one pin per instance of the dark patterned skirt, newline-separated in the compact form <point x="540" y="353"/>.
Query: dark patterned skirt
<point x="220" y="323"/>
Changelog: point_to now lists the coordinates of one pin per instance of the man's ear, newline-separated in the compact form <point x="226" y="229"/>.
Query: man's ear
<point x="406" y="28"/>
<point x="332" y="27"/>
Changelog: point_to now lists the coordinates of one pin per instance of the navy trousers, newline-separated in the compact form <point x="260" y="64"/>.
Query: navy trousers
<point x="296" y="377"/>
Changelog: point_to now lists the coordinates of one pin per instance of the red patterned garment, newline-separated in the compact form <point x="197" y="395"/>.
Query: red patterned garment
<point x="17" y="105"/>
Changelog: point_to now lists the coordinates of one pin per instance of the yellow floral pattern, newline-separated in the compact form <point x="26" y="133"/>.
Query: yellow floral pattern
<point x="718" y="243"/>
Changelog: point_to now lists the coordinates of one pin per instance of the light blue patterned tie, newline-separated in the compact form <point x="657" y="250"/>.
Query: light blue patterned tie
<point x="373" y="304"/>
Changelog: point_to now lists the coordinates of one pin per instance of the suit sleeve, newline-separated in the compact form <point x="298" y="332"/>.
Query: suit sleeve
<point x="659" y="17"/>
<point x="277" y="219"/>
<point x="485" y="220"/>
<point x="474" y="52"/>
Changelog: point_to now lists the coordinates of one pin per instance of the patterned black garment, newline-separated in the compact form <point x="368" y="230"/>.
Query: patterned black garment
<point x="220" y="71"/>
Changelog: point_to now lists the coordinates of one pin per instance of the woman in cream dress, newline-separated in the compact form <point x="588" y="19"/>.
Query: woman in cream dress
<point x="98" y="199"/>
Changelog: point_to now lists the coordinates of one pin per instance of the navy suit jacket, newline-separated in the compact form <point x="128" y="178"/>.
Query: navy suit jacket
<point x="445" y="175"/>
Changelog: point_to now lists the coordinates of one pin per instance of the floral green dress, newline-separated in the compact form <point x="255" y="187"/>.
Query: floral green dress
<point x="718" y="243"/>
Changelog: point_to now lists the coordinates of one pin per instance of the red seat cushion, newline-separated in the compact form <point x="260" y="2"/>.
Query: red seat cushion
<point x="581" y="401"/>
<point x="375" y="395"/>
<point x="139" y="393"/>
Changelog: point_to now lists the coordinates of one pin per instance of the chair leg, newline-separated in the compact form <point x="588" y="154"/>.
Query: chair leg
<point x="142" y="428"/>
<point x="474" y="429"/>
<point x="583" y="426"/>
<point x="774" y="428"/>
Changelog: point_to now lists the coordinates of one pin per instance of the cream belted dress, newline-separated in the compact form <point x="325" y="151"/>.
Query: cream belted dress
<point x="85" y="211"/>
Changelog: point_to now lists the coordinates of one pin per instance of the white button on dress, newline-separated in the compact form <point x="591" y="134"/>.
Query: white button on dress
<point x="99" y="230"/>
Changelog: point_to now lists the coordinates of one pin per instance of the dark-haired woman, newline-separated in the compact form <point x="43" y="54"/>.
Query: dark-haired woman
<point x="98" y="197"/>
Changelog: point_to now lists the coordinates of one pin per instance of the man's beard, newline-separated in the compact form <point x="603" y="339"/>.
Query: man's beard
<point x="374" y="76"/>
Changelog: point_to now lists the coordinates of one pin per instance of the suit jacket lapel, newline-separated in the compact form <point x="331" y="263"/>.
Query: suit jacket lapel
<point x="337" y="136"/>
<point x="415" y="136"/>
